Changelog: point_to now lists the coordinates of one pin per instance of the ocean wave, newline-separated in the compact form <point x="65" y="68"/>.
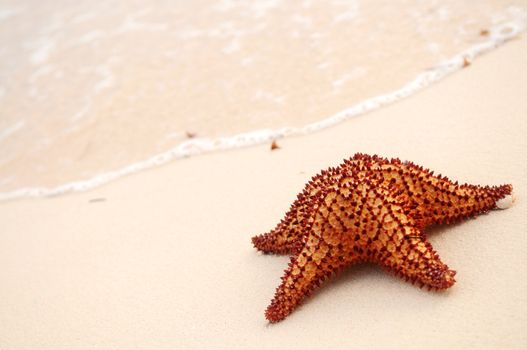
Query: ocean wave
<point x="496" y="36"/>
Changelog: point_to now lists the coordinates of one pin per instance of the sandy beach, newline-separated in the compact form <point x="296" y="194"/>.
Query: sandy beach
<point x="163" y="259"/>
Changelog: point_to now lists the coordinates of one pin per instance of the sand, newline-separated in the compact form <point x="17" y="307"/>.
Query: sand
<point x="163" y="259"/>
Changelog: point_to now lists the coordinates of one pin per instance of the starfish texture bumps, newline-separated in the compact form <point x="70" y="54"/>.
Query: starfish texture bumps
<point x="370" y="209"/>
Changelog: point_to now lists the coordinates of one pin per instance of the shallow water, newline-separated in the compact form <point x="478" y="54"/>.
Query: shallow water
<point x="93" y="91"/>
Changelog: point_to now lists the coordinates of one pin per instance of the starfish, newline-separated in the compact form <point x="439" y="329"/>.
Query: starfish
<point x="370" y="209"/>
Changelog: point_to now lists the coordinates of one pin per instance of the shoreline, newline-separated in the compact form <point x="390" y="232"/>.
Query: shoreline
<point x="498" y="36"/>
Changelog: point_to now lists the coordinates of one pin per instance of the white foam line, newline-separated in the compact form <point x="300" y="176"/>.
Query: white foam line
<point x="498" y="36"/>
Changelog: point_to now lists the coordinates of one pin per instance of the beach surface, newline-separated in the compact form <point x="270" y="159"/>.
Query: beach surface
<point x="163" y="259"/>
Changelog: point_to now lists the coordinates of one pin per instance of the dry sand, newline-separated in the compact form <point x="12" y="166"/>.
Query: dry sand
<point x="165" y="260"/>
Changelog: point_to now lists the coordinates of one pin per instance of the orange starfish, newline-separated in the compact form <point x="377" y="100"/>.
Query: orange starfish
<point x="370" y="209"/>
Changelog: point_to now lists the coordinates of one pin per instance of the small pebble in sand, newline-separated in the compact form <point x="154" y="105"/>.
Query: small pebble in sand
<point x="505" y="202"/>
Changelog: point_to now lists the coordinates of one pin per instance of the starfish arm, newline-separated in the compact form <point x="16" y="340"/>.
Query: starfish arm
<point x="437" y="199"/>
<point x="278" y="241"/>
<point x="401" y="245"/>
<point x="314" y="264"/>
<point x="414" y="259"/>
<point x="287" y="236"/>
<point x="452" y="203"/>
